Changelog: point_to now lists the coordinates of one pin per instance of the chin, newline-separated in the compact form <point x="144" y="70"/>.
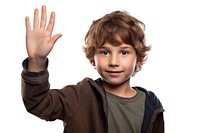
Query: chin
<point x="115" y="82"/>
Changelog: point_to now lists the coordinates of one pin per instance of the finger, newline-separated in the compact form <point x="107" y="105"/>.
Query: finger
<point x="43" y="18"/>
<point x="36" y="19"/>
<point x="28" y="25"/>
<point x="55" y="38"/>
<point x="51" y="22"/>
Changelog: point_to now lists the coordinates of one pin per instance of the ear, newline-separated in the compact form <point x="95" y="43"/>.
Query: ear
<point x="92" y="62"/>
<point x="139" y="62"/>
<point x="138" y="66"/>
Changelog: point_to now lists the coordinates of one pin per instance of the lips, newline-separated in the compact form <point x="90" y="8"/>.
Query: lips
<point x="114" y="73"/>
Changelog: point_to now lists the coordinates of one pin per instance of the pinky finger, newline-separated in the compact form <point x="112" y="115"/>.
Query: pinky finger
<point x="28" y="25"/>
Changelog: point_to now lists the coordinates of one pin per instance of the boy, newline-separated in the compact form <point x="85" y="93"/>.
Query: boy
<point x="115" y="46"/>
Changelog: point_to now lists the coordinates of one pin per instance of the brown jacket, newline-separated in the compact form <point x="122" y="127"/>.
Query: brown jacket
<point x="82" y="107"/>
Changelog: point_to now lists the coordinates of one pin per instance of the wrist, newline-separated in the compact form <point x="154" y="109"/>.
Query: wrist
<point x="36" y="65"/>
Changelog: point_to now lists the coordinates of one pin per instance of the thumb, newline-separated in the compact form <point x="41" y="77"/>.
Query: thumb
<point x="55" y="38"/>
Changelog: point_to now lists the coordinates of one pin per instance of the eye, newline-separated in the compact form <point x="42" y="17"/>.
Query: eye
<point x="104" y="52"/>
<point x="124" y="52"/>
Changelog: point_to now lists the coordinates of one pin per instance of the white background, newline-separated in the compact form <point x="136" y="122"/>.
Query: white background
<point x="171" y="72"/>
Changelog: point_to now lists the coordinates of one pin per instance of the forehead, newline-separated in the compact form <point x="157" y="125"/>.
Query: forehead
<point x="114" y="40"/>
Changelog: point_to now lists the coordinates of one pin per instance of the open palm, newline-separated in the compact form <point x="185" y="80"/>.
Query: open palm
<point x="39" y="40"/>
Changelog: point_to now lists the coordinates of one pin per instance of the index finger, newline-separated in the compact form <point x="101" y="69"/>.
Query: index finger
<point x="51" y="22"/>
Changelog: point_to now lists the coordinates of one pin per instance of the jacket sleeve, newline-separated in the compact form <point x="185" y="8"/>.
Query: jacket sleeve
<point x="159" y="124"/>
<point x="153" y="116"/>
<point x="38" y="99"/>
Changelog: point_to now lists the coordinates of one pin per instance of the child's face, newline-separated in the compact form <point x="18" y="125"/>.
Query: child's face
<point x="115" y="64"/>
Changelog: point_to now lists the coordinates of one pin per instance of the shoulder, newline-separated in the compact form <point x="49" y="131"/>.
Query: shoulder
<point x="90" y="83"/>
<point x="87" y="82"/>
<point x="151" y="98"/>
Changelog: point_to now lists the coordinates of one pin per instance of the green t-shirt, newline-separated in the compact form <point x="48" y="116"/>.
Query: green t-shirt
<point x="125" y="115"/>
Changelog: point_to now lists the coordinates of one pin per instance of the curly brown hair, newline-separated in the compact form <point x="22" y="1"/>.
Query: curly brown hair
<point x="112" y="26"/>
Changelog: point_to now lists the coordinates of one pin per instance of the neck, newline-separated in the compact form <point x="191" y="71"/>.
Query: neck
<point x="122" y="90"/>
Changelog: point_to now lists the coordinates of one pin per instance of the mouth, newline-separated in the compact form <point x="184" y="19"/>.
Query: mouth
<point x="114" y="73"/>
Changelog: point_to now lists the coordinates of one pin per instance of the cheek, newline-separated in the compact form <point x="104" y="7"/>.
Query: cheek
<point x="99" y="62"/>
<point x="95" y="60"/>
<point x="130" y="63"/>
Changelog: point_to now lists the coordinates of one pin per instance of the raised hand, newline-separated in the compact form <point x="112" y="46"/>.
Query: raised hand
<point x="39" y="40"/>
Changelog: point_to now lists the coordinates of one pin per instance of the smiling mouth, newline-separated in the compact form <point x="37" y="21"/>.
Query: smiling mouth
<point x="114" y="73"/>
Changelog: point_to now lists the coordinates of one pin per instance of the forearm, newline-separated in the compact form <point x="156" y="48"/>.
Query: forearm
<point x="37" y="96"/>
<point x="35" y="87"/>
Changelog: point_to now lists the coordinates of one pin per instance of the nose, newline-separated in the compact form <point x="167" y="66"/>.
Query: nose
<point x="114" y="61"/>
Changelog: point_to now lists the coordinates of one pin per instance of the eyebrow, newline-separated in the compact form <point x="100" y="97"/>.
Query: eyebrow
<point x="121" y="47"/>
<point x="125" y="47"/>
